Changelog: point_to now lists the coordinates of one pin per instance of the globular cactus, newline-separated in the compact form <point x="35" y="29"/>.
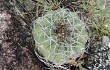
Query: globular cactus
<point x="59" y="35"/>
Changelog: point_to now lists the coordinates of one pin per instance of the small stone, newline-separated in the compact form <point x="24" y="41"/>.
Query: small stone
<point x="105" y="40"/>
<point x="109" y="45"/>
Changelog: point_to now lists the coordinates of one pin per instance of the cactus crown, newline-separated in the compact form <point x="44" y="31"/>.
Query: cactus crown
<point x="60" y="35"/>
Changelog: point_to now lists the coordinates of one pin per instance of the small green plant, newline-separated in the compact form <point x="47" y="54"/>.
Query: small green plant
<point x="99" y="15"/>
<point x="102" y="26"/>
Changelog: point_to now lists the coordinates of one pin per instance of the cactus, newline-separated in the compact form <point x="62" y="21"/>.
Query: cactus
<point x="60" y="35"/>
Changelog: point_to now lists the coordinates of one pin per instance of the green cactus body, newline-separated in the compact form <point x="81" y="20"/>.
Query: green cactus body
<point x="49" y="43"/>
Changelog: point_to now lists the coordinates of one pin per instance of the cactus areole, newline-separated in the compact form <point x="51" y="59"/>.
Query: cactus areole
<point x="59" y="35"/>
